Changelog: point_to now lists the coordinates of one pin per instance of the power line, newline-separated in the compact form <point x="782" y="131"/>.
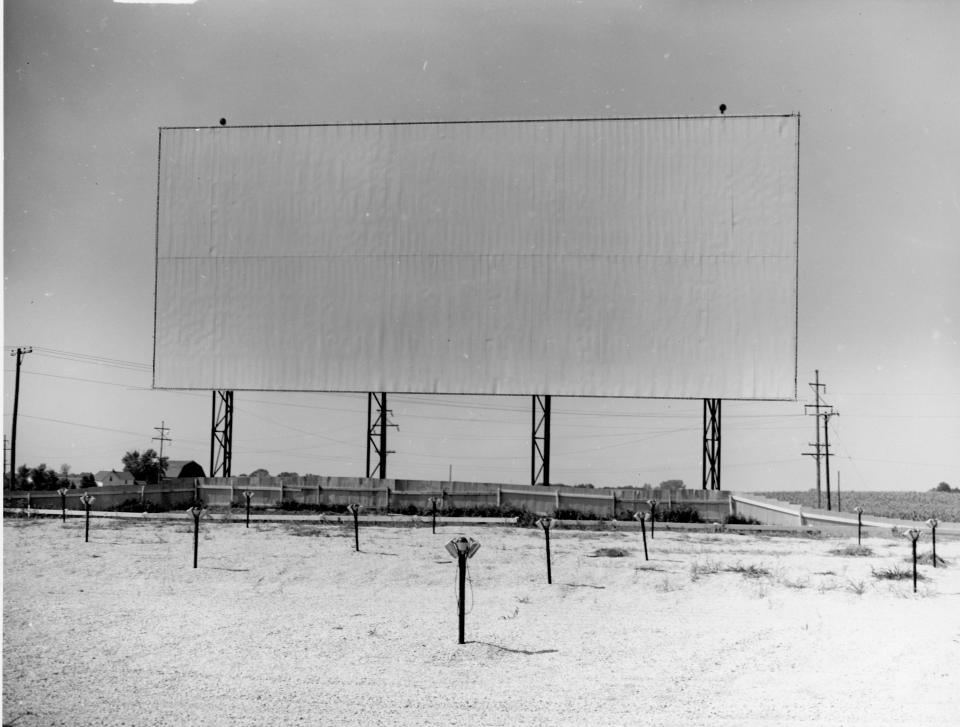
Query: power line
<point x="85" y="426"/>
<point x="77" y="378"/>
<point x="92" y="359"/>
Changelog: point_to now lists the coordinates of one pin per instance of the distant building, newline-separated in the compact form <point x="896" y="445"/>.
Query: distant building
<point x="112" y="477"/>
<point x="178" y="468"/>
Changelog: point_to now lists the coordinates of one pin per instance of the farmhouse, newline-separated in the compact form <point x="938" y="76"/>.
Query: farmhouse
<point x="112" y="477"/>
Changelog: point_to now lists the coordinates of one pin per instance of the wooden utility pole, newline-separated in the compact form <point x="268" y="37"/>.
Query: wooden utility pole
<point x="826" y="447"/>
<point x="817" y="451"/>
<point x="163" y="429"/>
<point x="19" y="353"/>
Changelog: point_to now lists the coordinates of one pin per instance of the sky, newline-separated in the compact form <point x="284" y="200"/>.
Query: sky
<point x="88" y="83"/>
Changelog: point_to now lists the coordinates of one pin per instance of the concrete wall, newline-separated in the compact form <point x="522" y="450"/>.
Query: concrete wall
<point x="172" y="493"/>
<point x="395" y="494"/>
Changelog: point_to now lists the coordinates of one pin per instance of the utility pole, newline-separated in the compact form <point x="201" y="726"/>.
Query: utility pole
<point x="377" y="433"/>
<point x="816" y="406"/>
<point x="163" y="429"/>
<point x="826" y="447"/>
<point x="19" y="353"/>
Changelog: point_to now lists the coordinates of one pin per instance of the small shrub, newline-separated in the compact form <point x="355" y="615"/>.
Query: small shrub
<point x="858" y="587"/>
<point x="526" y="519"/>
<point x="683" y="514"/>
<point x="134" y="504"/>
<point x="568" y="514"/>
<point x="296" y="506"/>
<point x="740" y="520"/>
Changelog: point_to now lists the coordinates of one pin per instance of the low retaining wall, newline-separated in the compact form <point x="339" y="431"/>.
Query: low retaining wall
<point x="777" y="512"/>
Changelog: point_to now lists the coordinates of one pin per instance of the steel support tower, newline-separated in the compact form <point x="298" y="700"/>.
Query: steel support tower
<point x="540" y="450"/>
<point x="221" y="434"/>
<point x="377" y="435"/>
<point x="711" y="444"/>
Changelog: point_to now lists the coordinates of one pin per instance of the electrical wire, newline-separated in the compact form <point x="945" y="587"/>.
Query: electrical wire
<point x="77" y="378"/>
<point x="91" y="359"/>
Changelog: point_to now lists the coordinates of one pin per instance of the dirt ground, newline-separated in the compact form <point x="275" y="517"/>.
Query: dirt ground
<point x="285" y="624"/>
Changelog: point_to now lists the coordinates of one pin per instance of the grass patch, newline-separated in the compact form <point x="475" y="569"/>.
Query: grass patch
<point x="666" y="586"/>
<point x="650" y="567"/>
<point x="706" y="568"/>
<point x="748" y="571"/>
<point x="22" y="520"/>
<point x="854" y="550"/>
<point x="895" y="573"/>
<point x="610" y="553"/>
<point x="927" y="559"/>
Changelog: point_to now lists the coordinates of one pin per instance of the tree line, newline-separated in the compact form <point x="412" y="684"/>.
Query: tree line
<point x="148" y="467"/>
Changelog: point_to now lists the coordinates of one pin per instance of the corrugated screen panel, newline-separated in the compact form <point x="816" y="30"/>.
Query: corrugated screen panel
<point x="615" y="257"/>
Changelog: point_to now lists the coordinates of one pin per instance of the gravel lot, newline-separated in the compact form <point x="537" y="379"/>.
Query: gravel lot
<point x="285" y="624"/>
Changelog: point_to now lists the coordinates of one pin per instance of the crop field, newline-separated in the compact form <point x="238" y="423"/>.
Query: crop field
<point x="285" y="623"/>
<point x="944" y="506"/>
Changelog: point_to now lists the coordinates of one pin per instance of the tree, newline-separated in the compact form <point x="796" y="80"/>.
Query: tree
<point x="146" y="467"/>
<point x="288" y="474"/>
<point x="942" y="487"/>
<point x="260" y="473"/>
<point x="675" y="484"/>
<point x="87" y="480"/>
<point x="38" y="478"/>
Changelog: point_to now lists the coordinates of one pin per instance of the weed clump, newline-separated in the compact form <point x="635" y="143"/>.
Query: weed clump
<point x="747" y="571"/>
<point x="853" y="550"/>
<point x="610" y="553"/>
<point x="857" y="587"/>
<point x="895" y="573"/>
<point x="698" y="569"/>
<point x="927" y="559"/>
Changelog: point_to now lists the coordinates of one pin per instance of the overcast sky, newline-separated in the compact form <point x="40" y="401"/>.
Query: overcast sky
<point x="87" y="84"/>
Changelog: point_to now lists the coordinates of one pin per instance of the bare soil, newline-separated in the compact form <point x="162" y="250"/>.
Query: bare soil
<point x="285" y="624"/>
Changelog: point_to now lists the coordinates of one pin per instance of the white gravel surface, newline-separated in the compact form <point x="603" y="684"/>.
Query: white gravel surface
<point x="285" y="624"/>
